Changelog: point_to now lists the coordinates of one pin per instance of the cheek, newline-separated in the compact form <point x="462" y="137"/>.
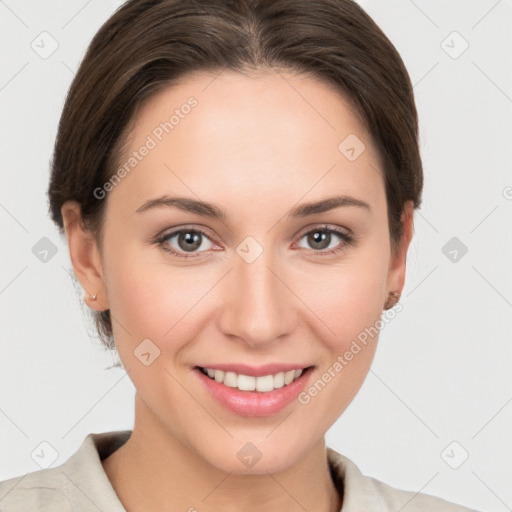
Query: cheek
<point x="346" y="299"/>
<point x="152" y="300"/>
<point x="352" y="309"/>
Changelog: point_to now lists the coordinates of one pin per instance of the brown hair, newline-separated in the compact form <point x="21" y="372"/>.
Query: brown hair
<point x="150" y="44"/>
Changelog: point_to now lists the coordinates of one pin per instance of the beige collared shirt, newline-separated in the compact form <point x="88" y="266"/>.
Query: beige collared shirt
<point x="81" y="485"/>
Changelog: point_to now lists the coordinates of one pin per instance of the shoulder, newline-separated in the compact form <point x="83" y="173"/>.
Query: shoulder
<point x="80" y="483"/>
<point x="40" y="490"/>
<point x="361" y="492"/>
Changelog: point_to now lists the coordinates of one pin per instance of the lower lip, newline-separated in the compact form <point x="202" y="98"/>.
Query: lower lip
<point x="254" y="403"/>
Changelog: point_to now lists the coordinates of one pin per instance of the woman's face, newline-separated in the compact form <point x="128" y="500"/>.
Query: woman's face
<point x="257" y="283"/>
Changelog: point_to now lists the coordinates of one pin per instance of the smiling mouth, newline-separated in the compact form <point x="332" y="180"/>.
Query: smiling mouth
<point x="263" y="384"/>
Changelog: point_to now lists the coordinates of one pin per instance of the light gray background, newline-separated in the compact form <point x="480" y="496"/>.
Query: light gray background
<point x="442" y="369"/>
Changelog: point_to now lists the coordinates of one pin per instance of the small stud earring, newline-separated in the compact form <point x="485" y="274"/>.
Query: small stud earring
<point x="93" y="297"/>
<point x="396" y="297"/>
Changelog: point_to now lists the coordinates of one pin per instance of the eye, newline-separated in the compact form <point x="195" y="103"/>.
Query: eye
<point x="183" y="241"/>
<point x="190" y="242"/>
<point x="325" y="240"/>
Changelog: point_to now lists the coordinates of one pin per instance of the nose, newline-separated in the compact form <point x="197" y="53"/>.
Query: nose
<point x="258" y="306"/>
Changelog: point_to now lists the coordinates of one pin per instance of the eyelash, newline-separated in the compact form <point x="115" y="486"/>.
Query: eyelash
<point x="347" y="239"/>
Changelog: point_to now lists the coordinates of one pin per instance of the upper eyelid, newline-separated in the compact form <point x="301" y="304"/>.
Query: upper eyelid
<point x="323" y="227"/>
<point x="185" y="227"/>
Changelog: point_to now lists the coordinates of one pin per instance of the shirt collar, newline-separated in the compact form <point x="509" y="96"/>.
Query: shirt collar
<point x="88" y="487"/>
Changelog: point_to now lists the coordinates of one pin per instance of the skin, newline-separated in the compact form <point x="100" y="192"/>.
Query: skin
<point x="255" y="146"/>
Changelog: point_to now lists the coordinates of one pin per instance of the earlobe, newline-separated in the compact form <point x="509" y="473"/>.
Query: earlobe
<point x="85" y="257"/>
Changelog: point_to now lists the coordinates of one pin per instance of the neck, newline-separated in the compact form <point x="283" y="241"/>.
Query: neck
<point x="154" y="471"/>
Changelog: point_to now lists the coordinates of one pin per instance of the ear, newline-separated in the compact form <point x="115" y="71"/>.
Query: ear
<point x="397" y="265"/>
<point x="85" y="256"/>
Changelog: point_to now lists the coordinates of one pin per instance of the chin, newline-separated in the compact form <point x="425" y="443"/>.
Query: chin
<point x="244" y="457"/>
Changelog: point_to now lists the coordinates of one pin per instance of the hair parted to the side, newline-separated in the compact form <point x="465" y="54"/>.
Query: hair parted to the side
<point x="148" y="45"/>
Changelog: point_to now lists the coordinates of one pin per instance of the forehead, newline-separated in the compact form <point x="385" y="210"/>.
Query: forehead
<point x="266" y="133"/>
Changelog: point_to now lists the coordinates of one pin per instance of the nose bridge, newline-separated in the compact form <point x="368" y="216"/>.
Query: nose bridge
<point x="257" y="306"/>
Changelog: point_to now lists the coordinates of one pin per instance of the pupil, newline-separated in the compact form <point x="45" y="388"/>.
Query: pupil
<point x="190" y="240"/>
<point x="320" y="237"/>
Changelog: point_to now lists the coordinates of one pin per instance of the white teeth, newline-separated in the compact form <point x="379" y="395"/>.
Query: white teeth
<point x="263" y="384"/>
<point x="279" y="380"/>
<point x="246" y="383"/>
<point x="289" y="376"/>
<point x="231" y="379"/>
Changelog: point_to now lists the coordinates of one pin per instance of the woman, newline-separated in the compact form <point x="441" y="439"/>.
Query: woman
<point x="236" y="182"/>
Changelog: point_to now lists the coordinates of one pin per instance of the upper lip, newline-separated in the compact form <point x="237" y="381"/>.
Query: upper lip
<point x="256" y="371"/>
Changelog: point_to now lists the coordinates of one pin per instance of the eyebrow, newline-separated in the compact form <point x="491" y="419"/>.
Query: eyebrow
<point x="209" y="210"/>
